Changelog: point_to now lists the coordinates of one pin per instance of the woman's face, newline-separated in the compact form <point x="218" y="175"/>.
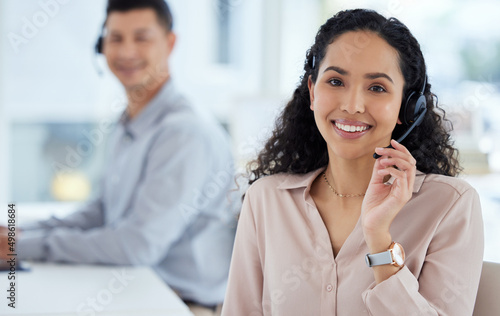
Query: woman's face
<point x="357" y="95"/>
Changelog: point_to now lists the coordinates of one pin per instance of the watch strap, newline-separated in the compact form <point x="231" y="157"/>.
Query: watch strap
<point x="378" y="259"/>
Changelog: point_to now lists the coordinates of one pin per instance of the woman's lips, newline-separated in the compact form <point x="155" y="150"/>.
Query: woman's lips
<point x="350" y="129"/>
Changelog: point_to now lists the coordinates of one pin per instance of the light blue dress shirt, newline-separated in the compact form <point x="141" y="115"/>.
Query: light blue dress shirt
<point x="167" y="201"/>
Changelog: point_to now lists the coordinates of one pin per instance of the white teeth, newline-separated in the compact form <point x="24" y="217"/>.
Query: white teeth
<point x="351" y="128"/>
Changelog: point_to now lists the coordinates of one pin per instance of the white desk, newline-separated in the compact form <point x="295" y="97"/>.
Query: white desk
<point x="82" y="290"/>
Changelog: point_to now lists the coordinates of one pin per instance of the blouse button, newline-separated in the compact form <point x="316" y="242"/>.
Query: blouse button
<point x="329" y="287"/>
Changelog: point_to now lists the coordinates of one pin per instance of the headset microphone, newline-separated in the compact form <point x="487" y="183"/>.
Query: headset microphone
<point x="98" y="49"/>
<point x="98" y="68"/>
<point x="408" y="117"/>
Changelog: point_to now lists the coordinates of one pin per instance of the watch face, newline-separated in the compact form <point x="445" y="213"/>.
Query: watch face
<point x="398" y="254"/>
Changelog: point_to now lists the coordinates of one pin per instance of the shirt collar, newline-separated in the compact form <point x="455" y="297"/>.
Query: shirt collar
<point x="295" y="181"/>
<point x="153" y="111"/>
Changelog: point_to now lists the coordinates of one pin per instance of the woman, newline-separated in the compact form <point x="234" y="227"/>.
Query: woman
<point x="322" y="202"/>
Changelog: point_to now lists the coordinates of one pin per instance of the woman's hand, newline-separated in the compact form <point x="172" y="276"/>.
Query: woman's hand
<point x="382" y="202"/>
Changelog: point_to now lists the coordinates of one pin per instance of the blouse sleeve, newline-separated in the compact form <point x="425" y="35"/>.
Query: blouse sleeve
<point x="244" y="291"/>
<point x="449" y="279"/>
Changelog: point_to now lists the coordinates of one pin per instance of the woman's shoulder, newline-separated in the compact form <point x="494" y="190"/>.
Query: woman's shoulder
<point x="267" y="183"/>
<point x="283" y="181"/>
<point x="447" y="183"/>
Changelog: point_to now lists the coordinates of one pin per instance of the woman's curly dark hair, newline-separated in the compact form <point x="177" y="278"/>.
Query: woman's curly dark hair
<point x="296" y="145"/>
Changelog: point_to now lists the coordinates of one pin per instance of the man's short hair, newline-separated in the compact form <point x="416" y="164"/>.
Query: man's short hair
<point x="159" y="6"/>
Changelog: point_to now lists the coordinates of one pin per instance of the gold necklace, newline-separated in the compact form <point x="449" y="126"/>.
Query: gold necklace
<point x="338" y="194"/>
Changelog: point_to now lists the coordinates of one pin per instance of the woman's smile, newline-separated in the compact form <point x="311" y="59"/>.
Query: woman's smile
<point x="350" y="129"/>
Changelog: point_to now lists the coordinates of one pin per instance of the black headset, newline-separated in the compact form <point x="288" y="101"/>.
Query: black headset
<point x="412" y="113"/>
<point x="98" y="50"/>
<point x="100" y="40"/>
<point x="413" y="110"/>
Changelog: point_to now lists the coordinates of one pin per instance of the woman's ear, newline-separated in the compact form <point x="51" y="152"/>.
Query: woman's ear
<point x="310" y="85"/>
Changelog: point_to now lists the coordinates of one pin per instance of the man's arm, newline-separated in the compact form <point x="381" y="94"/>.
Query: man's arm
<point x="89" y="215"/>
<point x="178" y="166"/>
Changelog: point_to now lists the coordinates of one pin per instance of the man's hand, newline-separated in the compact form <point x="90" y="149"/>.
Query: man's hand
<point x="4" y="242"/>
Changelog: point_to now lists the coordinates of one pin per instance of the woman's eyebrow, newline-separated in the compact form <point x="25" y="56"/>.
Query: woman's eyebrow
<point x="337" y="69"/>
<point x="376" y="75"/>
<point x="372" y="75"/>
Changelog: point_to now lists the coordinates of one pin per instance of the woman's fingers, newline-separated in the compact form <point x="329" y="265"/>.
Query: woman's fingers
<point x="399" y="151"/>
<point x="398" y="174"/>
<point x="397" y="162"/>
<point x="376" y="177"/>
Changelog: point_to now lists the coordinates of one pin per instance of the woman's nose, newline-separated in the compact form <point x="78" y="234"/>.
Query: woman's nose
<point x="353" y="102"/>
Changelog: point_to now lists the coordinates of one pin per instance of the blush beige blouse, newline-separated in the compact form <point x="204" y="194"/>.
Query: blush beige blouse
<point x="283" y="262"/>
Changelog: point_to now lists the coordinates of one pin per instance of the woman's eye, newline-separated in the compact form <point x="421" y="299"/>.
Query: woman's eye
<point x="336" y="82"/>
<point x="377" y="89"/>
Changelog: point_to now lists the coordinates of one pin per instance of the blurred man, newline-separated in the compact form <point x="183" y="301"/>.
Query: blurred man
<point x="164" y="197"/>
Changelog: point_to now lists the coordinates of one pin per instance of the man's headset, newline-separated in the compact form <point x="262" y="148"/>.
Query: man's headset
<point x="99" y="43"/>
<point x="98" y="49"/>
<point x="412" y="113"/>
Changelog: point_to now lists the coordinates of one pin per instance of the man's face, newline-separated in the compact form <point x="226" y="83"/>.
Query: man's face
<point x="137" y="47"/>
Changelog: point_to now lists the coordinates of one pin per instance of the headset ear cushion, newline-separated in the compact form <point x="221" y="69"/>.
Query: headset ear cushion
<point x="98" y="45"/>
<point x="420" y="105"/>
<point x="406" y="114"/>
<point x="411" y="109"/>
